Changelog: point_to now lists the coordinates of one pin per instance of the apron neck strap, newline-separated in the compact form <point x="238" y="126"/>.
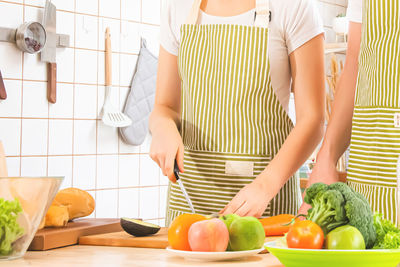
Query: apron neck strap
<point x="261" y="20"/>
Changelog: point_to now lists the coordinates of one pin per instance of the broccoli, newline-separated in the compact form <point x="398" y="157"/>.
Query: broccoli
<point x="328" y="210"/>
<point x="337" y="204"/>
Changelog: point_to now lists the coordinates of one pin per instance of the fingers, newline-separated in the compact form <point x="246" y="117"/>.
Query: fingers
<point x="233" y="206"/>
<point x="179" y="158"/>
<point x="169" y="167"/>
<point x="244" y="210"/>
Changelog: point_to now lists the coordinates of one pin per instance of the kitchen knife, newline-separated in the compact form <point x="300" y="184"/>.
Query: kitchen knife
<point x="179" y="181"/>
<point x="49" y="52"/>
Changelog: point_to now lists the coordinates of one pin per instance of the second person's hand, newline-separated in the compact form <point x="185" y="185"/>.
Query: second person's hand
<point x="166" y="146"/>
<point x="325" y="172"/>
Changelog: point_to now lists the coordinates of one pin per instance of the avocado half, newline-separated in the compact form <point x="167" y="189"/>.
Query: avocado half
<point x="139" y="228"/>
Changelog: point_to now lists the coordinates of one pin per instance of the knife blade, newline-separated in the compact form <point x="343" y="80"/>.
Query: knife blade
<point x="49" y="51"/>
<point x="182" y="187"/>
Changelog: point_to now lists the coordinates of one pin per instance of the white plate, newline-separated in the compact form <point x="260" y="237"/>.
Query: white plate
<point x="213" y="256"/>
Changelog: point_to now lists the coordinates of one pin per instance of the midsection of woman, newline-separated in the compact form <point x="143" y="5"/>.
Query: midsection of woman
<point x="222" y="99"/>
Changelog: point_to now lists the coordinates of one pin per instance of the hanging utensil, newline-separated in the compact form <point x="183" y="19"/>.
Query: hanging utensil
<point x="3" y="165"/>
<point x="179" y="181"/>
<point x="111" y="115"/>
<point x="3" y="93"/>
<point x="49" y="52"/>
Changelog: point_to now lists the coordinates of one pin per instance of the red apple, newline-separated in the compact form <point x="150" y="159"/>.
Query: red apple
<point x="208" y="235"/>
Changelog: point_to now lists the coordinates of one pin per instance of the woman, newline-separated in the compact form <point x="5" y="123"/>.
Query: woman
<point x="224" y="79"/>
<point x="374" y="95"/>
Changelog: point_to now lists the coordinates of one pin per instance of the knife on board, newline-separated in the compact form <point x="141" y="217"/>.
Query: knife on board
<point x="179" y="181"/>
<point x="49" y="51"/>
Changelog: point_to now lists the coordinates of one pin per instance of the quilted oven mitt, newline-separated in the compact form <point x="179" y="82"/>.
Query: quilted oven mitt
<point x="140" y="101"/>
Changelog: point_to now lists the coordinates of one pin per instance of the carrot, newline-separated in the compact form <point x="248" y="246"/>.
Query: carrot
<point x="277" y="225"/>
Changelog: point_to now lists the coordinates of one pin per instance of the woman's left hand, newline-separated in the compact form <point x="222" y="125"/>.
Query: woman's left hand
<point x="251" y="200"/>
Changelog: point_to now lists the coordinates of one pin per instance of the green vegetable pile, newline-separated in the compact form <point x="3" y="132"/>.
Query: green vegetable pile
<point x="388" y="235"/>
<point x="9" y="228"/>
<point x="337" y="204"/>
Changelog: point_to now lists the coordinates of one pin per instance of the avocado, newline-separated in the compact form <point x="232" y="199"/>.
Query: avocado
<point x="139" y="228"/>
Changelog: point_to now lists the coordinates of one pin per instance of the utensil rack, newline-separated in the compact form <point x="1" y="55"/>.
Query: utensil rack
<point x="8" y="35"/>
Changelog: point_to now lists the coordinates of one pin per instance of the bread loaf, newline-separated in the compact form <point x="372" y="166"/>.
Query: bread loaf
<point x="79" y="203"/>
<point x="56" y="216"/>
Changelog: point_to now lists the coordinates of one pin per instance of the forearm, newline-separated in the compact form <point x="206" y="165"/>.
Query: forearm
<point x="338" y="133"/>
<point x="337" y="137"/>
<point x="298" y="146"/>
<point x="166" y="111"/>
<point x="163" y="116"/>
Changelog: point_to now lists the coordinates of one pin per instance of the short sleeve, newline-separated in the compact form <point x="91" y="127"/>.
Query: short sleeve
<point x="168" y="34"/>
<point x="354" y="11"/>
<point x="302" y="23"/>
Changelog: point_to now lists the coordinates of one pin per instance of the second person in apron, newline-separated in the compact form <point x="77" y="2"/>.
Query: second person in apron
<point x="217" y="113"/>
<point x="366" y="112"/>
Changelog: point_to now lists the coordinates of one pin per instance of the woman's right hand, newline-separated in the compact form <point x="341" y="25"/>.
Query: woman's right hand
<point x="166" y="146"/>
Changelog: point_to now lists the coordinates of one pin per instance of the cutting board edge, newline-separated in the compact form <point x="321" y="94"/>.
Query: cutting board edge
<point x="43" y="241"/>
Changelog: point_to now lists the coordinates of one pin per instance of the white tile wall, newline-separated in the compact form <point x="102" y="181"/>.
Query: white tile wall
<point x="61" y="166"/>
<point x="65" y="107"/>
<point x="68" y="138"/>
<point x="60" y="137"/>
<point x="8" y="108"/>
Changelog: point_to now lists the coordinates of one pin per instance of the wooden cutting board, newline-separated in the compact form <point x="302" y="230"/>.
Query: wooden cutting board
<point x="123" y="239"/>
<point x="49" y="238"/>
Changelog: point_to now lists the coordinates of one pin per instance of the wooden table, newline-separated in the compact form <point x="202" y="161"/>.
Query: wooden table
<point x="122" y="256"/>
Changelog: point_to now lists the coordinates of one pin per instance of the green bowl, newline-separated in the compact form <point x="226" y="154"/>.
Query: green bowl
<point x="334" y="258"/>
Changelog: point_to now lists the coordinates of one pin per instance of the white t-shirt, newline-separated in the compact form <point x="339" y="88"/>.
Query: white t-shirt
<point x="293" y="23"/>
<point x="354" y="11"/>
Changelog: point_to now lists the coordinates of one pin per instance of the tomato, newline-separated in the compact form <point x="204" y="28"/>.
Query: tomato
<point x="305" y="234"/>
<point x="179" y="228"/>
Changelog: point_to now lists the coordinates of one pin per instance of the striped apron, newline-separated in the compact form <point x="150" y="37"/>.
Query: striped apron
<point x="374" y="160"/>
<point x="232" y="123"/>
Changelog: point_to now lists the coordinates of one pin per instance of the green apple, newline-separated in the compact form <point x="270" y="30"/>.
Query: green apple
<point x="228" y="219"/>
<point x="345" y="237"/>
<point x="246" y="233"/>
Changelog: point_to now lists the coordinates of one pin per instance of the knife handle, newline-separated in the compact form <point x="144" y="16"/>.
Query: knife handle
<point x="108" y="56"/>
<point x="52" y="82"/>
<point x="176" y="170"/>
<point x="3" y="93"/>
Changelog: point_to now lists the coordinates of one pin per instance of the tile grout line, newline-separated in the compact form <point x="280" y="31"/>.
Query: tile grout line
<point x="87" y="84"/>
<point x="119" y="99"/>
<point x="85" y="14"/>
<point x="77" y="155"/>
<point x="48" y="122"/>
<point x="97" y="101"/>
<point x="22" y="98"/>
<point x="73" y="101"/>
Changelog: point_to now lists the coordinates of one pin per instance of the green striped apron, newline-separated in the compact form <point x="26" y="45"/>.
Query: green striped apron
<point x="374" y="160"/>
<point x="232" y="123"/>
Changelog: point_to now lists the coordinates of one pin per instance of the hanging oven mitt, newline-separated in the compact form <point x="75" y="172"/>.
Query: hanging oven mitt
<point x="140" y="101"/>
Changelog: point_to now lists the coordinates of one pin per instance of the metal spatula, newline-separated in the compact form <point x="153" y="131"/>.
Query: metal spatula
<point x="111" y="114"/>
